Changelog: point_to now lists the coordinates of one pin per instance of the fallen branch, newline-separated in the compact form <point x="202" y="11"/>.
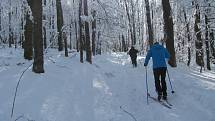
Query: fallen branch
<point x="23" y="117"/>
<point x="128" y="113"/>
<point x="17" y="86"/>
<point x="23" y="72"/>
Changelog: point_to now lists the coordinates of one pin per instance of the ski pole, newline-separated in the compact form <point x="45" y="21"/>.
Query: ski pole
<point x="147" y="87"/>
<point x="170" y="82"/>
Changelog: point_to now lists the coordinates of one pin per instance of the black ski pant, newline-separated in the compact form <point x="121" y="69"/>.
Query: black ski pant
<point x="160" y="83"/>
<point x="134" y="61"/>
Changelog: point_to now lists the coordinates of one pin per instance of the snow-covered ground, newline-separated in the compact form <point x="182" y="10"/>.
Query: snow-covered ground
<point x="108" y="90"/>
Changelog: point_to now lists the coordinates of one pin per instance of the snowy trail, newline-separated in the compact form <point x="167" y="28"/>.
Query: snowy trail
<point x="192" y="101"/>
<point x="70" y="91"/>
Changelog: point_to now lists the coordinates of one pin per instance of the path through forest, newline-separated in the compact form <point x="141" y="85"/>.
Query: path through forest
<point x="108" y="90"/>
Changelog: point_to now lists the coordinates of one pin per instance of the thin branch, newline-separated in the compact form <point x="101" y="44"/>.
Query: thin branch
<point x="128" y="113"/>
<point x="23" y="117"/>
<point x="23" y="72"/>
<point x="17" y="86"/>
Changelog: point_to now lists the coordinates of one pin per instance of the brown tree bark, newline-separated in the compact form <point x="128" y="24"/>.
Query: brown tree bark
<point x="133" y="22"/>
<point x="44" y="37"/>
<point x="212" y="45"/>
<point x="207" y="42"/>
<point x="168" y="32"/>
<point x="87" y="35"/>
<point x="81" y="34"/>
<point x="59" y="24"/>
<point x="28" y="43"/>
<point x="65" y="44"/>
<point x="38" y="36"/>
<point x="94" y="33"/>
<point x="76" y="37"/>
<point x="150" y="28"/>
<point x="188" y="37"/>
<point x="124" y="48"/>
<point x="129" y="21"/>
<point x="99" y="45"/>
<point x="10" y="29"/>
<point x="0" y="18"/>
<point x="198" y="42"/>
<point x="70" y="35"/>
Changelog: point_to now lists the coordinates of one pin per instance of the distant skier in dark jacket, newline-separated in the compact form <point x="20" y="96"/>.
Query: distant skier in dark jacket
<point x="159" y="54"/>
<point x="133" y="54"/>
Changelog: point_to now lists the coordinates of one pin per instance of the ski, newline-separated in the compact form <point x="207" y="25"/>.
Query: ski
<point x="161" y="102"/>
<point x="168" y="102"/>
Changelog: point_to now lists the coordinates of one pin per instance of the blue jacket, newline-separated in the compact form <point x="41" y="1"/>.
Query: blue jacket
<point x="158" y="54"/>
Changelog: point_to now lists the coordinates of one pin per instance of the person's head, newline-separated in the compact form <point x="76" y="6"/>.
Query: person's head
<point x="132" y="47"/>
<point x="156" y="43"/>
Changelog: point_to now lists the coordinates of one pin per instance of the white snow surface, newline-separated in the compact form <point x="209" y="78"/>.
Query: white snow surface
<point x="72" y="91"/>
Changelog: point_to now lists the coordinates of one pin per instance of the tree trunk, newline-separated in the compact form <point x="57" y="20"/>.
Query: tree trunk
<point x="21" y="42"/>
<point x="188" y="37"/>
<point x="198" y="42"/>
<point x="0" y="22"/>
<point x="99" y="46"/>
<point x="10" y="29"/>
<point x="87" y="35"/>
<point x="150" y="29"/>
<point x="94" y="33"/>
<point x="129" y="21"/>
<point x="38" y="36"/>
<point x="124" y="44"/>
<point x="70" y="35"/>
<point x="28" y="34"/>
<point x="81" y="36"/>
<point x="168" y="31"/>
<point x="212" y="45"/>
<point x="44" y="37"/>
<point x="207" y="43"/>
<point x="28" y="43"/>
<point x="59" y="24"/>
<point x="139" y="26"/>
<point x="133" y="22"/>
<point x="0" y="19"/>
<point x="65" y="44"/>
<point x="76" y="36"/>
<point x="120" y="44"/>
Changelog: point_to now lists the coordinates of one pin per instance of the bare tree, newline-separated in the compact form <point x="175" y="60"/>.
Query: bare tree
<point x="59" y="24"/>
<point x="168" y="31"/>
<point x="131" y="15"/>
<point x="10" y="28"/>
<point x="36" y="8"/>
<point x="81" y="32"/>
<point x="0" y="21"/>
<point x="188" y="37"/>
<point x="28" y="42"/>
<point x="207" y="27"/>
<point x="65" y="44"/>
<point x="198" y="42"/>
<point x="99" y="44"/>
<point x="212" y="45"/>
<point x="207" y="42"/>
<point x="87" y="35"/>
<point x="94" y="33"/>
<point x="150" y="29"/>
<point x="124" y="48"/>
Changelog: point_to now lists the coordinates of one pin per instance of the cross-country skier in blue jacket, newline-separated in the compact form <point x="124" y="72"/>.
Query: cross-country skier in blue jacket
<point x="159" y="55"/>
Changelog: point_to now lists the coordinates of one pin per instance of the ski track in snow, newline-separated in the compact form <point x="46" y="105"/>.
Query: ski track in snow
<point x="71" y="91"/>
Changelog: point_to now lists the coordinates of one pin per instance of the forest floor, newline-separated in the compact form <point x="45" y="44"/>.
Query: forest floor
<point x="108" y="90"/>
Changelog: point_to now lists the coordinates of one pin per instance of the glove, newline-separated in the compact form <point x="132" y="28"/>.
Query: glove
<point x="145" y="64"/>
